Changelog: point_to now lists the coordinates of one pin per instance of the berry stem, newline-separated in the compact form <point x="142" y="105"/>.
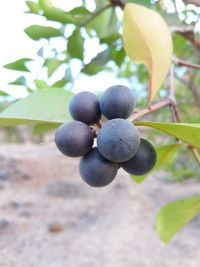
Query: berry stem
<point x="99" y="124"/>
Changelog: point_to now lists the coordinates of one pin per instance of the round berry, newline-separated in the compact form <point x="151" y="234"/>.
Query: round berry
<point x="143" y="161"/>
<point x="96" y="170"/>
<point x="117" y="102"/>
<point x="84" y="107"/>
<point x="118" y="140"/>
<point x="74" y="138"/>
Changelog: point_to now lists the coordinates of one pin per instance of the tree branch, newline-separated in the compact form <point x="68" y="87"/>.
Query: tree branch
<point x="146" y="111"/>
<point x="181" y="62"/>
<point x="193" y="2"/>
<point x="119" y="3"/>
<point x="195" y="154"/>
<point x="188" y="33"/>
<point x="171" y="96"/>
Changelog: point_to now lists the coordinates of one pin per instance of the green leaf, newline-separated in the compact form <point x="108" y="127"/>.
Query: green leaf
<point x="33" y="7"/>
<point x="42" y="128"/>
<point x="2" y="93"/>
<point x="47" y="106"/>
<point x="98" y="63"/>
<point x="37" y="32"/>
<point x="52" y="64"/>
<point x="19" y="81"/>
<point x="41" y="84"/>
<point x="19" y="65"/>
<point x="143" y="45"/>
<point x="118" y="56"/>
<point x="55" y="14"/>
<point x="165" y="154"/>
<point x="75" y="45"/>
<point x="104" y="24"/>
<point x="60" y="83"/>
<point x="80" y="14"/>
<point x="187" y="132"/>
<point x="175" y="215"/>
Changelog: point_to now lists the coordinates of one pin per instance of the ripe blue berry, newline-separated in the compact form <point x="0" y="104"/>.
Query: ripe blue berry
<point x="74" y="138"/>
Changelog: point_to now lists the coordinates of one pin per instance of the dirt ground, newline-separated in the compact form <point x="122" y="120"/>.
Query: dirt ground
<point x="50" y="218"/>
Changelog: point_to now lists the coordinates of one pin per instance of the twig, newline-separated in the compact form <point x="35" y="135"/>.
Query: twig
<point x="171" y="96"/>
<point x="181" y="62"/>
<point x="175" y="112"/>
<point x="193" y="2"/>
<point x="117" y="3"/>
<point x="195" y="154"/>
<point x="146" y="111"/>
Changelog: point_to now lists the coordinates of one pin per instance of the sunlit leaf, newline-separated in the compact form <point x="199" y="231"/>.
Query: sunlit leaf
<point x="41" y="84"/>
<point x="42" y="128"/>
<point x="47" y="106"/>
<point x="75" y="45"/>
<point x="187" y="132"/>
<point x="33" y="7"/>
<point x="147" y="40"/>
<point x="19" y="81"/>
<point x="98" y="63"/>
<point x="52" y="64"/>
<point x="55" y="14"/>
<point x="19" y="65"/>
<point x="105" y="24"/>
<point x="37" y="32"/>
<point x="175" y="215"/>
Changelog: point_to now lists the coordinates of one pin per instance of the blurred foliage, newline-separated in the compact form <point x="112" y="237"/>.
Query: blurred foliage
<point x="100" y="21"/>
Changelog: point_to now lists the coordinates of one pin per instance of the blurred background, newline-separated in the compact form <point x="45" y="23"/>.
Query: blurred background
<point x="48" y="216"/>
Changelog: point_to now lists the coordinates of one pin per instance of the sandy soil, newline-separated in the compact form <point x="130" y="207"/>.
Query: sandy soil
<point x="50" y="218"/>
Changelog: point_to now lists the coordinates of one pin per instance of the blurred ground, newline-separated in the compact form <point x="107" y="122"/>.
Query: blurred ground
<point x="50" y="218"/>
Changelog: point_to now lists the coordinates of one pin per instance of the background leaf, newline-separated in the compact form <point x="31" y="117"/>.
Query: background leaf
<point x="52" y="64"/>
<point x="75" y="45"/>
<point x="187" y="132"/>
<point x="147" y="40"/>
<point x="19" y="65"/>
<point x="37" y="32"/>
<point x="175" y="215"/>
<point x="165" y="154"/>
<point x="47" y="106"/>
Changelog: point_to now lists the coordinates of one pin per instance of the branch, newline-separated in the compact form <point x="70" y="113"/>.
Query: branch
<point x="193" y="2"/>
<point x="171" y="96"/>
<point x="181" y="62"/>
<point x="190" y="84"/>
<point x="119" y="3"/>
<point x="146" y="111"/>
<point x="195" y="154"/>
<point x="188" y="33"/>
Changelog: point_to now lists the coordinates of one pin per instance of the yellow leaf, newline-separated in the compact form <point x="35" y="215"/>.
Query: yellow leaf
<point x="147" y="40"/>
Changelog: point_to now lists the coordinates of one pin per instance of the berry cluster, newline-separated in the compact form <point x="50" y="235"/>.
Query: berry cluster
<point x="118" y="141"/>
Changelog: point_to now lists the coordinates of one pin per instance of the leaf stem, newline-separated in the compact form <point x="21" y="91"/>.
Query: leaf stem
<point x="195" y="153"/>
